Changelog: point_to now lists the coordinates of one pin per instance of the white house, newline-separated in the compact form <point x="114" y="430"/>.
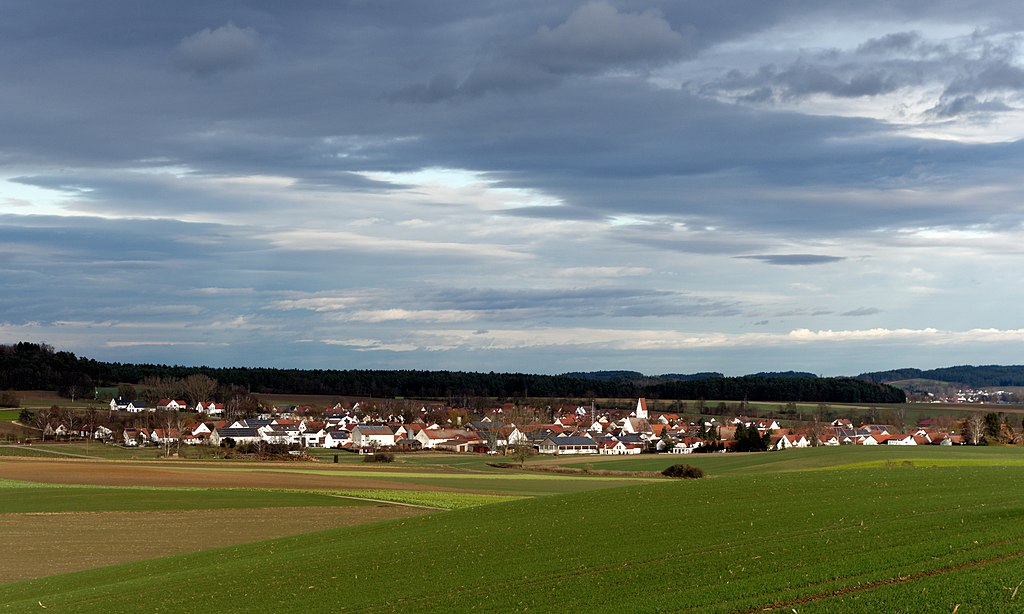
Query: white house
<point x="335" y="439"/>
<point x="366" y="435"/>
<point x="313" y="438"/>
<point x="430" y="438"/>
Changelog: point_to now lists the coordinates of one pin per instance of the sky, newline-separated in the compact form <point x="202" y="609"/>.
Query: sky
<point x="515" y="185"/>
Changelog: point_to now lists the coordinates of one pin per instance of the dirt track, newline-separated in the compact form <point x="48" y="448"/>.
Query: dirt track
<point x="128" y="473"/>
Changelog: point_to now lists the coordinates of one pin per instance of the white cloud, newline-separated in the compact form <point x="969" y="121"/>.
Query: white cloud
<point x="407" y="315"/>
<point x="660" y="340"/>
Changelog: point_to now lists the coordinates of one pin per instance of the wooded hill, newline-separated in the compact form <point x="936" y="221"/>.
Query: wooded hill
<point x="965" y="376"/>
<point x="26" y="366"/>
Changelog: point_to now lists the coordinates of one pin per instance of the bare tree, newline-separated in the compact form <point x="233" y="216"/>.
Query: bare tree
<point x="198" y="387"/>
<point x="172" y="425"/>
<point x="242" y="405"/>
<point x="71" y="421"/>
<point x="155" y="388"/>
<point x="817" y="428"/>
<point x="44" y="419"/>
<point x="973" y="428"/>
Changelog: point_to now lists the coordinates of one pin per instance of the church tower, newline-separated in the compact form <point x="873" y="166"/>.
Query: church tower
<point x="641" y="409"/>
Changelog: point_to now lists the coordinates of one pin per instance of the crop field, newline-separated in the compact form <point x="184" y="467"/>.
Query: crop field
<point x="53" y="528"/>
<point x="853" y="540"/>
<point x="808" y="459"/>
<point x="819" y="530"/>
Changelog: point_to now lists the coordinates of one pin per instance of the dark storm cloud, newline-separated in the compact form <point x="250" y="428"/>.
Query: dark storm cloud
<point x="594" y="37"/>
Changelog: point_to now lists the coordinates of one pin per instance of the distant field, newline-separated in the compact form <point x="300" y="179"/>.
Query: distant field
<point x="809" y="458"/>
<point x="298" y="475"/>
<point x="880" y="540"/>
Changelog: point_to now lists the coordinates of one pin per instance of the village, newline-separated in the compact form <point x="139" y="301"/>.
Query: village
<point x="575" y="431"/>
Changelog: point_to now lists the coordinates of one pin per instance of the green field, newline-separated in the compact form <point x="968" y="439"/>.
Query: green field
<point x="80" y="450"/>
<point x="22" y="497"/>
<point x="810" y="458"/>
<point x="895" y="539"/>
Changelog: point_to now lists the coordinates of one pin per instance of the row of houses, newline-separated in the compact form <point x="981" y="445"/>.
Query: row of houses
<point x="137" y="406"/>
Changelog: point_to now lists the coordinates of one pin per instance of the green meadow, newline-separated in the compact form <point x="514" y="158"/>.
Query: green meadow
<point x="23" y="497"/>
<point x="809" y="459"/>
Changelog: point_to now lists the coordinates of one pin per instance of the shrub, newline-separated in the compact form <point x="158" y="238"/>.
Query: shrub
<point x="379" y="457"/>
<point x="9" y="399"/>
<point x="688" y="472"/>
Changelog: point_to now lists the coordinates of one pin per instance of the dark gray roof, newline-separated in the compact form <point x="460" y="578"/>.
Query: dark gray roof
<point x="573" y="441"/>
<point x="238" y="432"/>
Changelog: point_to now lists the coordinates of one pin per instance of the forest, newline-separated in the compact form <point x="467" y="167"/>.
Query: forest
<point x="966" y="376"/>
<point x="28" y="366"/>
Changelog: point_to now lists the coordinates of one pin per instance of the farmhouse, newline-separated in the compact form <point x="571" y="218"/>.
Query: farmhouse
<point x="238" y="435"/>
<point x="568" y="445"/>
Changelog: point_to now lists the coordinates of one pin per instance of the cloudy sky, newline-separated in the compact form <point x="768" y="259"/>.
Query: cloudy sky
<point x="540" y="186"/>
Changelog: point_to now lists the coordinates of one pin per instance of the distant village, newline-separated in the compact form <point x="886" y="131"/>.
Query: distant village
<point x="500" y="430"/>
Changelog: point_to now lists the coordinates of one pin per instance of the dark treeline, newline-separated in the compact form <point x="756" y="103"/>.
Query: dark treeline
<point x="984" y="376"/>
<point x="636" y="376"/>
<point x="32" y="366"/>
<point x="776" y="388"/>
<point x="25" y="366"/>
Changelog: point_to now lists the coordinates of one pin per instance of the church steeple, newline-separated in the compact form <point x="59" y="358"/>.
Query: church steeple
<point x="641" y="408"/>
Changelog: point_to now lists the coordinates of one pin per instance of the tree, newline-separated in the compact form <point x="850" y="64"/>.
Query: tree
<point x="44" y="419"/>
<point x="198" y="387"/>
<point x="156" y="387"/>
<point x="667" y="443"/>
<point x="71" y="421"/>
<point x="242" y="405"/>
<point x="973" y="428"/>
<point x="818" y="418"/>
<point x="172" y="425"/>
<point x="749" y="439"/>
<point x="521" y="452"/>
<point x="9" y="399"/>
<point x="491" y="436"/>
<point x="126" y="391"/>
<point x="993" y="427"/>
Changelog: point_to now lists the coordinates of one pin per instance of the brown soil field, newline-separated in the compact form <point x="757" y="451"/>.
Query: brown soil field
<point x="128" y="473"/>
<point x="39" y="545"/>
